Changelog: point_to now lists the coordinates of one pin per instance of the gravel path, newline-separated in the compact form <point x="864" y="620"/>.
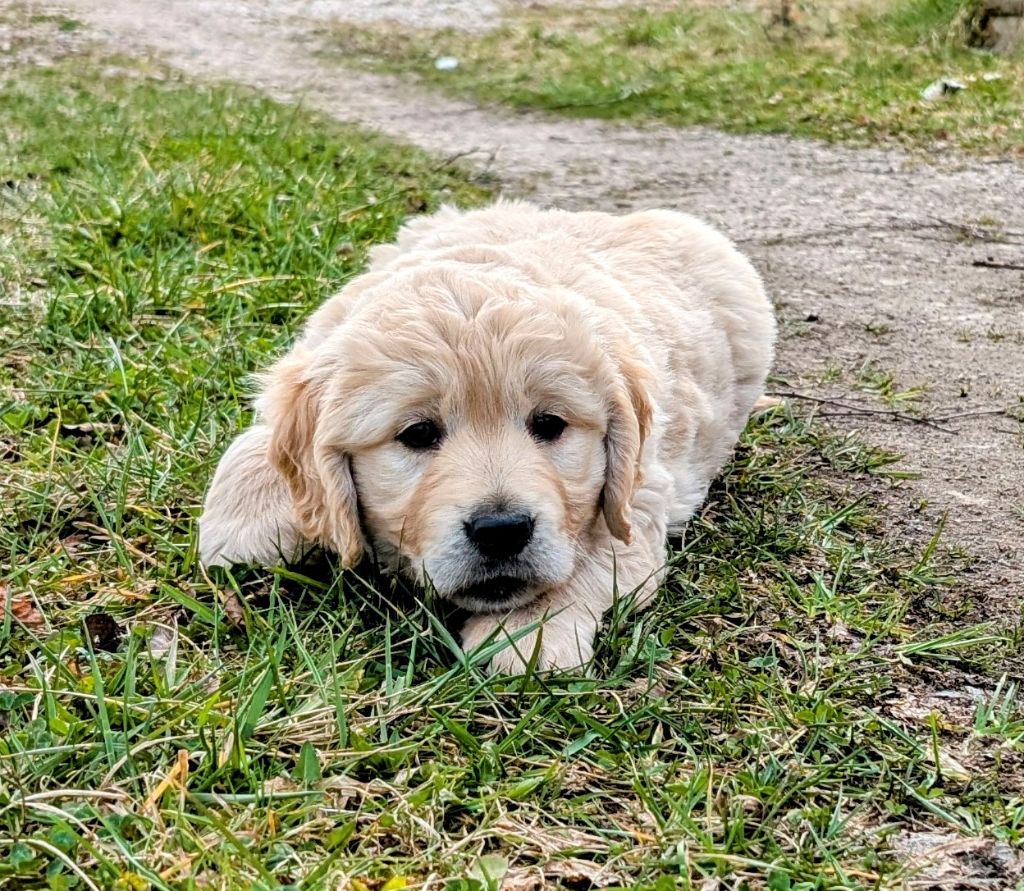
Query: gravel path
<point x="869" y="254"/>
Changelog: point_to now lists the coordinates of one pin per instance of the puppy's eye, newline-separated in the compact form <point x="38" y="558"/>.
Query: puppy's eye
<point x="420" y="436"/>
<point x="547" y="428"/>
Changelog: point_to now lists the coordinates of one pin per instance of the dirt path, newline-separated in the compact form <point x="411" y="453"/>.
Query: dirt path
<point x="868" y="254"/>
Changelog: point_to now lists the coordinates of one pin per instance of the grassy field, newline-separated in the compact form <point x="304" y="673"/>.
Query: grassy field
<point x="850" y="71"/>
<point x="769" y="721"/>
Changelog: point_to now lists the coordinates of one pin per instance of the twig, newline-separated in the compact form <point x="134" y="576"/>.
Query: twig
<point x="849" y="409"/>
<point x="895" y="415"/>
<point x="992" y="264"/>
<point x="863" y="410"/>
<point x="931" y="421"/>
<point x="956" y="416"/>
<point x="457" y="156"/>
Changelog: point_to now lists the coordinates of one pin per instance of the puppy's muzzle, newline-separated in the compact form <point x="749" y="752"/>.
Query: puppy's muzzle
<point x="499" y="536"/>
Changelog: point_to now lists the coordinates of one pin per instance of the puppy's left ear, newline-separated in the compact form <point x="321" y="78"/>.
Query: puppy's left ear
<point x="629" y="424"/>
<point x="318" y="476"/>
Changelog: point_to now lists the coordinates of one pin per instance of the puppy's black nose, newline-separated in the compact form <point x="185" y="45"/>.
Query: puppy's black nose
<point x="500" y="536"/>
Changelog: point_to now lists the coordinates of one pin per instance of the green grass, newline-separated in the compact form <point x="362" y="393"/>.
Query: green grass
<point x="850" y="72"/>
<point x="161" y="241"/>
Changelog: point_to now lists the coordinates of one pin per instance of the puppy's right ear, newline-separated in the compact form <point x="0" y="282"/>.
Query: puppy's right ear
<point x="319" y="477"/>
<point x="629" y="424"/>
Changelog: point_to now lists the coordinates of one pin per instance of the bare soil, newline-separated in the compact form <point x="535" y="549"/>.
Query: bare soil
<point x="870" y="254"/>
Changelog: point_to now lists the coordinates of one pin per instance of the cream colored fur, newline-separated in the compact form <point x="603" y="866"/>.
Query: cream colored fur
<point x="648" y="333"/>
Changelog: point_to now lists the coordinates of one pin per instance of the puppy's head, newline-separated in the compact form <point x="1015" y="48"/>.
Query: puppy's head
<point x="469" y="430"/>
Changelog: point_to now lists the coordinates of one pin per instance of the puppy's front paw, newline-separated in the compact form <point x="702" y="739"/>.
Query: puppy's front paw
<point x="565" y="642"/>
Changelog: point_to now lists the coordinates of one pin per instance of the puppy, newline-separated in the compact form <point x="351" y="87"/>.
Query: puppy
<point x="513" y="405"/>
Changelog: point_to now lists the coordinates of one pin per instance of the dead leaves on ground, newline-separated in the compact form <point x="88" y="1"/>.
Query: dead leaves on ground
<point x="22" y="608"/>
<point x="104" y="632"/>
<point x="233" y="608"/>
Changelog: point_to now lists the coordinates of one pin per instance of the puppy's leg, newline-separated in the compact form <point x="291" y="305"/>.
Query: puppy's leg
<point x="565" y="626"/>
<point x="247" y="515"/>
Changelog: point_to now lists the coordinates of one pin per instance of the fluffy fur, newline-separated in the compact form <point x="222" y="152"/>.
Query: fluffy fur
<point x="648" y="334"/>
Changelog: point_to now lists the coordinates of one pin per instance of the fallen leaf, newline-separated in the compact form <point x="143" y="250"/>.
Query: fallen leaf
<point x="163" y="638"/>
<point x="23" y="610"/>
<point x="950" y="767"/>
<point x="233" y="608"/>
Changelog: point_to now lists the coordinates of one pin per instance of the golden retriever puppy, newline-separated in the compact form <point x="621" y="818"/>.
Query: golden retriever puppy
<point x="513" y="405"/>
